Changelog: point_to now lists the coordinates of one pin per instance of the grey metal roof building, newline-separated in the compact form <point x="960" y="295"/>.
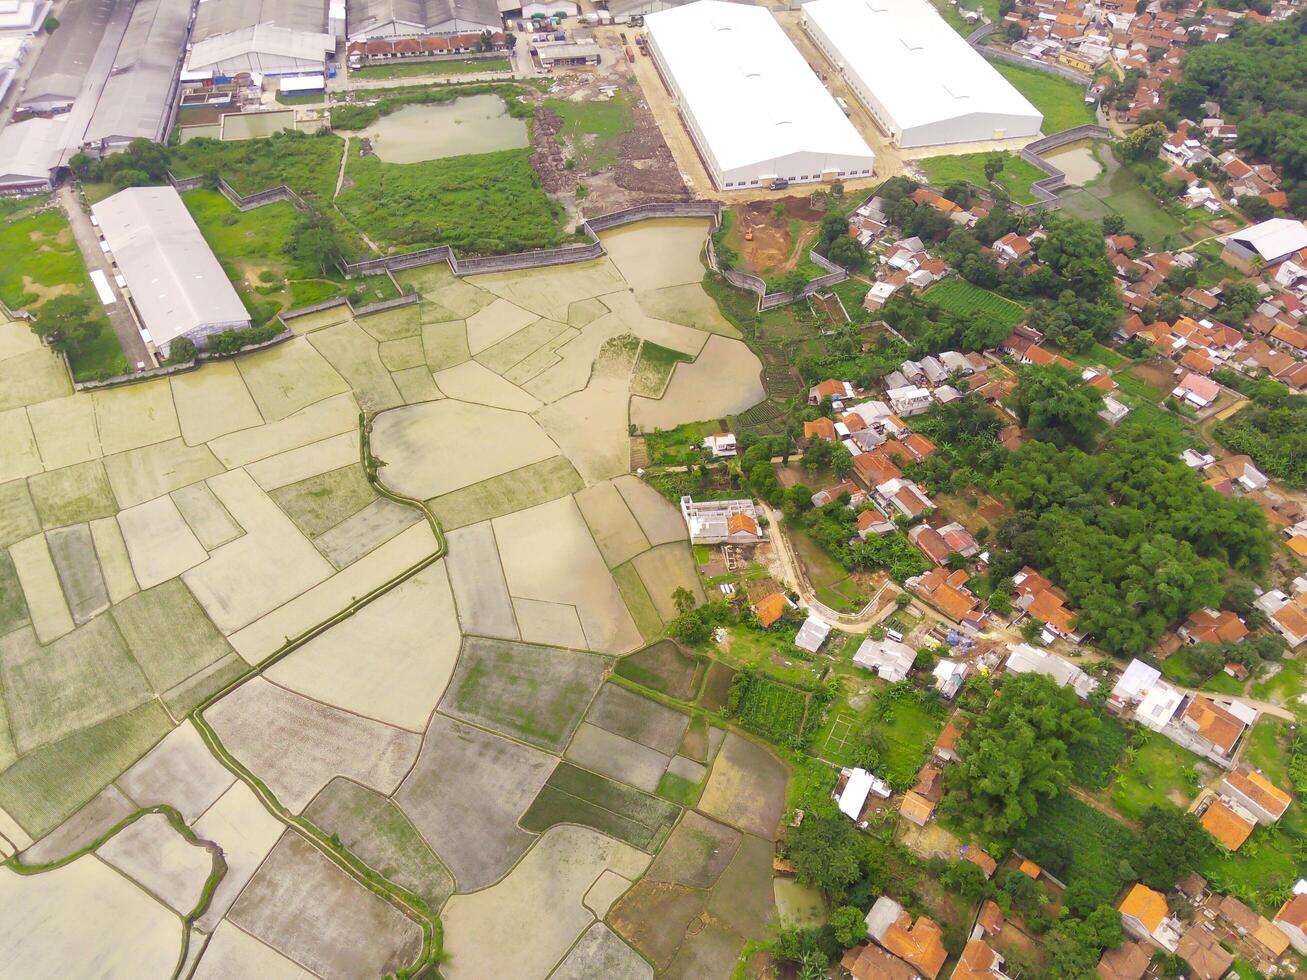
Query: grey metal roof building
<point x="279" y="37"/>
<point x="29" y="152"/>
<point x="175" y="282"/>
<point x="138" y="97"/>
<point x="65" y="62"/>
<point x="407" y="18"/>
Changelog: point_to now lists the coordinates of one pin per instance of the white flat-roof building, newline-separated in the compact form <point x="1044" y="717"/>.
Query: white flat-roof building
<point x="754" y="108"/>
<point x="919" y="79"/>
<point x="1025" y="659"/>
<point x="174" y="280"/>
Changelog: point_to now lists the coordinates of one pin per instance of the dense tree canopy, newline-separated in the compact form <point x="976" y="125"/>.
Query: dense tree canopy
<point x="1057" y="406"/>
<point x="1171" y="844"/>
<point x="1015" y="755"/>
<point x="1272" y="430"/>
<point x="1132" y="535"/>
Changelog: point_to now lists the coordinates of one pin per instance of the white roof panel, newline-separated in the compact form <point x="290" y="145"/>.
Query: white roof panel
<point x="768" y="104"/>
<point x="1274" y="238"/>
<point x="920" y="69"/>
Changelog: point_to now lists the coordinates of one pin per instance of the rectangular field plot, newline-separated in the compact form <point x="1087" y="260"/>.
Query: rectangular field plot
<point x="961" y="298"/>
<point x="574" y="795"/>
<point x="664" y="667"/>
<point x="772" y="710"/>
<point x="537" y="694"/>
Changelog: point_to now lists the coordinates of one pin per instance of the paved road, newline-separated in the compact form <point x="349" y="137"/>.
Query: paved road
<point x="88" y="241"/>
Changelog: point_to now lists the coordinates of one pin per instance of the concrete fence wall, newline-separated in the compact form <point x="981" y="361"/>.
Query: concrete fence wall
<point x="167" y="370"/>
<point x="998" y="54"/>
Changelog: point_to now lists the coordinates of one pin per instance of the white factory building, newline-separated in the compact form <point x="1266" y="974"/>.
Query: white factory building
<point x="920" y="80"/>
<point x="754" y="108"/>
<point x="173" y="279"/>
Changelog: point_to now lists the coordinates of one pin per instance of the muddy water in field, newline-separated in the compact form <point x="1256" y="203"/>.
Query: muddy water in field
<point x="476" y="124"/>
<point x="1077" y="161"/>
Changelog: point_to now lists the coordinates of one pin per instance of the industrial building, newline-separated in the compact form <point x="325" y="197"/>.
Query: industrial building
<point x="754" y="108"/>
<point x="921" y="81"/>
<point x="74" y="57"/>
<point x="274" y="37"/>
<point x="413" y="18"/>
<point x="174" y="282"/>
<point x="138" y="97"/>
<point x="29" y="153"/>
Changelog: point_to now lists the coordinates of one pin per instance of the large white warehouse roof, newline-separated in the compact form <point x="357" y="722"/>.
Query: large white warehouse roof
<point x="750" y="94"/>
<point x="931" y="86"/>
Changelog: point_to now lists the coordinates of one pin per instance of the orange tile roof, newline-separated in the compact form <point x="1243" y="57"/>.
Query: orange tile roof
<point x="948" y="737"/>
<point x="1229" y="829"/>
<point x="1030" y="868"/>
<point x="741" y="524"/>
<point x="1049" y="608"/>
<point x="1146" y="905"/>
<point x="1207" y="959"/>
<point x="1215" y="626"/>
<point x="1294" y="912"/>
<point x="991" y="916"/>
<point x="822" y="428"/>
<point x="916" y="807"/>
<point x="982" y="860"/>
<point x="1260" y="790"/>
<point x="771" y="608"/>
<point x="873" y="963"/>
<point x="976" y="962"/>
<point x="1214" y="723"/>
<point x="1127" y="962"/>
<point x="921" y="945"/>
<point x="830" y="388"/>
<point x="1292" y="617"/>
<point x="919" y="445"/>
<point x="876" y="468"/>
<point x="1270" y="937"/>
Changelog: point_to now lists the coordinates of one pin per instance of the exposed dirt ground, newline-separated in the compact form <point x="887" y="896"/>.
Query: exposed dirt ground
<point x="645" y="169"/>
<point x="772" y="248"/>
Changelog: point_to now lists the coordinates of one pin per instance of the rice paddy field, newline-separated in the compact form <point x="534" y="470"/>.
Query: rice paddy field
<point x="215" y="626"/>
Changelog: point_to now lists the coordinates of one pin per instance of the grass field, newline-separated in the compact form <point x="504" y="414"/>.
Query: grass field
<point x="594" y="129"/>
<point x="573" y="795"/>
<point x="39" y="260"/>
<point x="1061" y="100"/>
<point x="1016" y="176"/>
<point x="1156" y="776"/>
<point x="1284" y="685"/>
<point x="412" y="69"/>
<point x="663" y="667"/>
<point x="963" y="299"/>
<point x="487" y="203"/>
<point x="307" y="164"/>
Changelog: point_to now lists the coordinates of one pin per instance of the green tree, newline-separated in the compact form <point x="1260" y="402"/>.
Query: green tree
<point x="1016" y="754"/>
<point x="683" y="599"/>
<point x="825" y="849"/>
<point x="181" y="350"/>
<point x="315" y="242"/>
<point x="850" y="925"/>
<point x="1057" y="406"/>
<point x="848" y="253"/>
<point x="993" y="166"/>
<point x="67" y="323"/>
<point x="1144" y="143"/>
<point x="1171" y="844"/>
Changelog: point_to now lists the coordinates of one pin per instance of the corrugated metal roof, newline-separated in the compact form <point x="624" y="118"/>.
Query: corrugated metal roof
<point x="176" y="282"/>
<point x="217" y="17"/>
<point x="31" y="148"/>
<point x="367" y="16"/>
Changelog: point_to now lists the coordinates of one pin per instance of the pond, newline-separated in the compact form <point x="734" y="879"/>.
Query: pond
<point x="1077" y="161"/>
<point x="474" y="124"/>
<point x="798" y="906"/>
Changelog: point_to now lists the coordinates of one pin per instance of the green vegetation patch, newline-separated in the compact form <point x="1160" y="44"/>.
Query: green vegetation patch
<point x="663" y="667"/>
<point x="717" y="685"/>
<point x="678" y="789"/>
<point x="13" y="606"/>
<point x="306" y="164"/>
<point x="1016" y="176"/>
<point x="73" y="494"/>
<point x="963" y="299"/>
<point x="638" y="601"/>
<point x="486" y="203"/>
<point x="534" y="693"/>
<point x="574" y="795"/>
<point x="766" y="707"/>
<point x="417" y="69"/>
<point x="377" y="830"/>
<point x="594" y="129"/>
<point x="45" y="787"/>
<point x="1077" y="843"/>
<point x="505" y="494"/>
<point x="169" y="634"/>
<point x="321" y="502"/>
<point x="1119" y="191"/>
<point x="653" y="369"/>
<point x="1061" y="100"/>
<point x="1093" y="760"/>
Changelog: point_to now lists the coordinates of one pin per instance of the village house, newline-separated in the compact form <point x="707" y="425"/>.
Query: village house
<point x="857" y="496"/>
<point x="948" y="592"/>
<point x="1288" y="617"/>
<point x="890" y="659"/>
<point x="721" y="521"/>
<point x="1292" y="919"/>
<point x="1134" y="683"/>
<point x="1012" y="249"/>
<point x="919" y="944"/>
<point x="1227" y="825"/>
<point x="1197" y="390"/>
<point x="1207" y="958"/>
<point x="812" y="634"/>
<point x="721" y="445"/>
<point x="1256" y="794"/>
<point x="1214" y="729"/>
<point x="1025" y="659"/>
<point x="1213" y="626"/>
<point x="1144" y="915"/>
<point x="1129" y="961"/>
<point x="874" y="521"/>
<point x="1158" y="706"/>
<point x="836" y="391"/>
<point x="909" y="400"/>
<point x="979" y="961"/>
<point x="770" y="609"/>
<point x="867" y="962"/>
<point x="949" y="676"/>
<point x="852" y="790"/>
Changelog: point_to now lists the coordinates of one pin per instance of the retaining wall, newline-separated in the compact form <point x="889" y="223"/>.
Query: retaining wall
<point x="167" y="370"/>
